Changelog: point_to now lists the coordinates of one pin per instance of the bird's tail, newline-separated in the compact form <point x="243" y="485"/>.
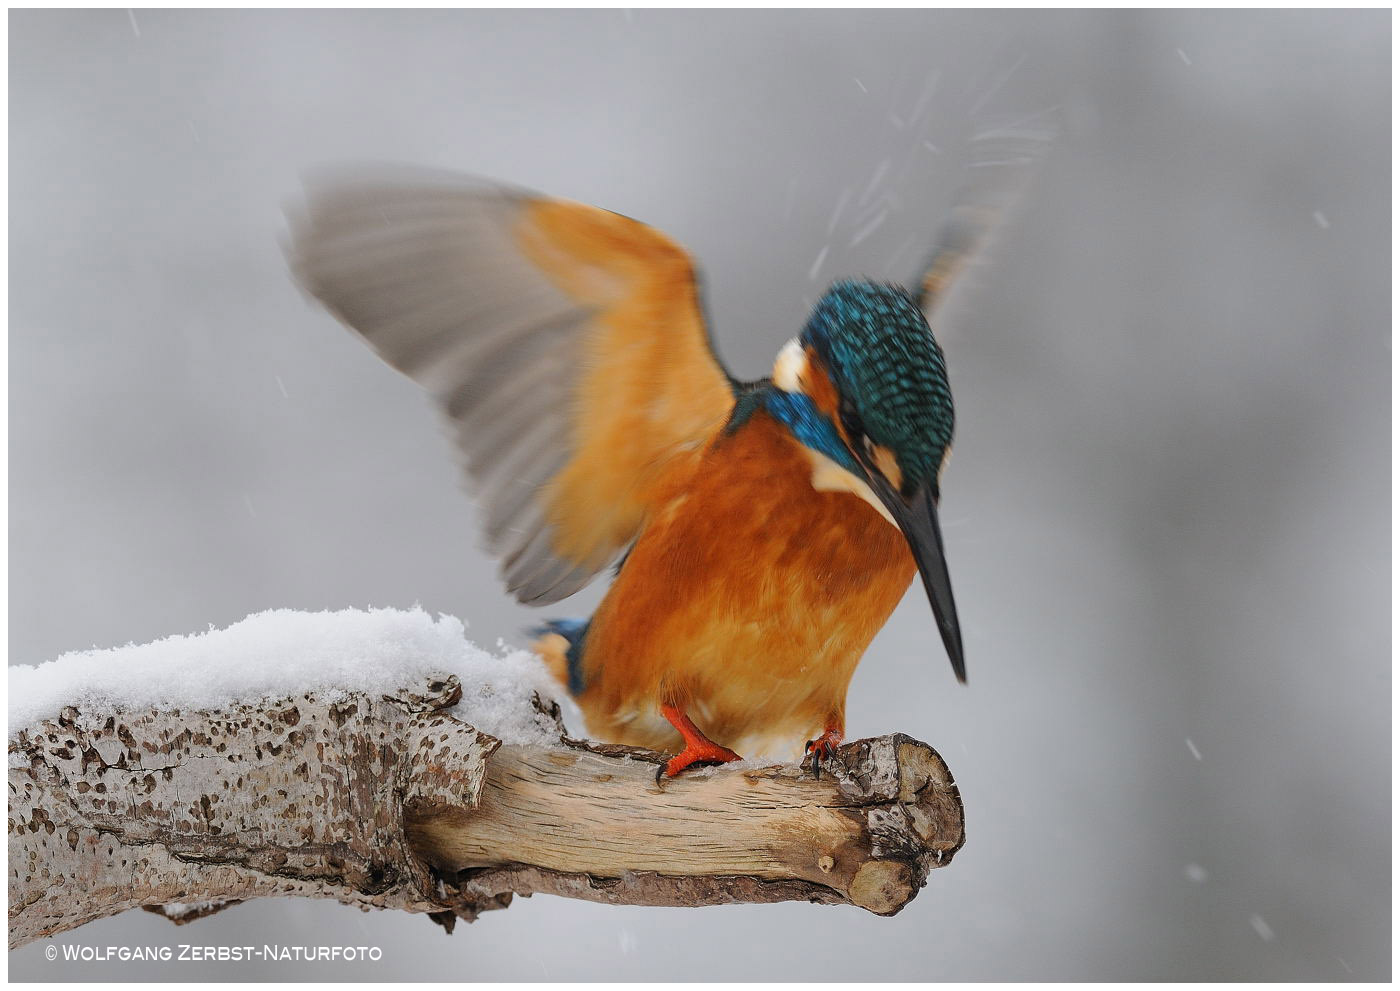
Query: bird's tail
<point x="560" y="646"/>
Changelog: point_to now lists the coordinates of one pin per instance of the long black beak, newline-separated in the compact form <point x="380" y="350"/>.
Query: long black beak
<point x="918" y="519"/>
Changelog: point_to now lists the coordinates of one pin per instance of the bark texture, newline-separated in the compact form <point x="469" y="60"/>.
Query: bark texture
<point x="393" y="802"/>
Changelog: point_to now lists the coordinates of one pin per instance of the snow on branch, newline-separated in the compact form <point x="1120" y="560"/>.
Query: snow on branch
<point x="283" y="653"/>
<point x="381" y="760"/>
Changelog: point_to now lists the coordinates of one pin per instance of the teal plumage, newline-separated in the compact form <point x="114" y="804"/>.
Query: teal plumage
<point x="889" y="370"/>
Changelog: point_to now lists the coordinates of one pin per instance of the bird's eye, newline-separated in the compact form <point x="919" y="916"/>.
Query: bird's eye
<point x="851" y="423"/>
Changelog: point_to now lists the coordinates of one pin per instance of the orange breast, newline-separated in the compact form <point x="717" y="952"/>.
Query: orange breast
<point x="748" y="600"/>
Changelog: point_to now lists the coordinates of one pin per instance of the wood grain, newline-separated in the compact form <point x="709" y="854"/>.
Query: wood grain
<point x="392" y="802"/>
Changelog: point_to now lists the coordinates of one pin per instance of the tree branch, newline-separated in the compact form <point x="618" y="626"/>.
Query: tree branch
<point x="393" y="802"/>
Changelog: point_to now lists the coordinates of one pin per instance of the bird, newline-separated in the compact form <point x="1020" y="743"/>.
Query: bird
<point x="759" y="533"/>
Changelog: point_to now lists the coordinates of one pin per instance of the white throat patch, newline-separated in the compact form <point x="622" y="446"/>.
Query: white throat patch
<point x="828" y="476"/>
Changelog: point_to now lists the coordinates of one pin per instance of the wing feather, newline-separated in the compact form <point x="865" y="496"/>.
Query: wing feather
<point x="1003" y="162"/>
<point x="564" y="344"/>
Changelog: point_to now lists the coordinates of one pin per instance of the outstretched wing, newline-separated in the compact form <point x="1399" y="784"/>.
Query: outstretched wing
<point x="564" y="343"/>
<point x="1003" y="162"/>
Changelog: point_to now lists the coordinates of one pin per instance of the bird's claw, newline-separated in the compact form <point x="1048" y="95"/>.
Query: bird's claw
<point x="823" y="746"/>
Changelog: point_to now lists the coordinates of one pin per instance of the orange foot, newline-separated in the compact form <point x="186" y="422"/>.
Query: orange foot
<point x="824" y="746"/>
<point x="707" y="754"/>
<point x="699" y="749"/>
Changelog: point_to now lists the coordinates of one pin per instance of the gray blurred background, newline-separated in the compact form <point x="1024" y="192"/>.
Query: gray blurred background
<point x="1167" y="515"/>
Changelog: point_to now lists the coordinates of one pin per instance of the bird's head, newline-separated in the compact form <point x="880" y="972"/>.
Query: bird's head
<point x="869" y="376"/>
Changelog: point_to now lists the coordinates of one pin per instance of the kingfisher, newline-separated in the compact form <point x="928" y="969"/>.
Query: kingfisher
<point x="760" y="532"/>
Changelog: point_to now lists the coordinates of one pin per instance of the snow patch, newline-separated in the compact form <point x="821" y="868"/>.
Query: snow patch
<point x="283" y="653"/>
<point x="180" y="910"/>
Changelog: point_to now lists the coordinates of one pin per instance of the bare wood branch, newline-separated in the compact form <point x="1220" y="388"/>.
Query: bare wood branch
<point x="393" y="802"/>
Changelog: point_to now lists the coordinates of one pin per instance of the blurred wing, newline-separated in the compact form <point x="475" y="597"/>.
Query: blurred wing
<point x="1003" y="161"/>
<point x="564" y="343"/>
